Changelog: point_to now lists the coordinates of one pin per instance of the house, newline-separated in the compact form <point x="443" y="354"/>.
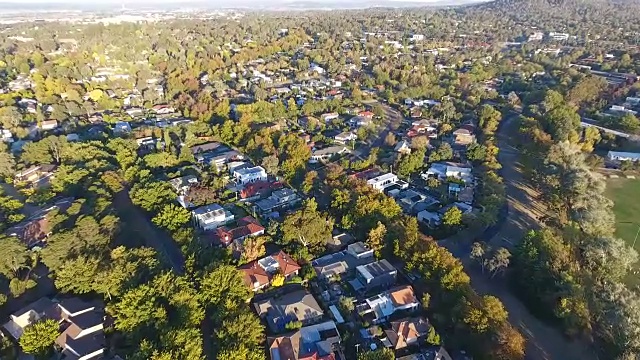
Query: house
<point x="249" y="175"/>
<point x="358" y="121"/>
<point x="381" y="182"/>
<point x="122" y="127"/>
<point x="377" y="309"/>
<point x="6" y="136"/>
<point x="327" y="153"/>
<point x="206" y="147"/>
<point x="258" y="274"/>
<point x="49" y="125"/>
<point x="345" y="137"/>
<point x="432" y="353"/>
<point x="279" y="200"/>
<point x="329" y="116"/>
<point x="215" y="154"/>
<point x="35" y="230"/>
<point x="430" y="218"/>
<point x="81" y="333"/>
<point x="259" y="188"/>
<point x="623" y="156"/>
<point x="37" y="176"/>
<point x="339" y="241"/>
<point x="211" y="216"/>
<point x="463" y="137"/>
<point x="335" y="265"/>
<point x="278" y="311"/>
<point x="245" y="227"/>
<point x="412" y="201"/>
<point x="374" y="275"/>
<point x="407" y="332"/>
<point x="182" y="184"/>
<point x="163" y="109"/>
<point x="315" y="342"/>
<point x="41" y="309"/>
<point x="402" y="147"/>
<point x="135" y="112"/>
<point x="445" y="170"/>
<point x="308" y="122"/>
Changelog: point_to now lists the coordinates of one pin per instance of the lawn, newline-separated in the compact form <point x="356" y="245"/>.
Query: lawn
<point x="625" y="194"/>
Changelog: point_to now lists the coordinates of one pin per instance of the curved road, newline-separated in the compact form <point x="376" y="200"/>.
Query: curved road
<point x="544" y="342"/>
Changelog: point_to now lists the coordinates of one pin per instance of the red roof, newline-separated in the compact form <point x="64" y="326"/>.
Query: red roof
<point x="257" y="188"/>
<point x="247" y="226"/>
<point x="366" y="113"/>
<point x="255" y="276"/>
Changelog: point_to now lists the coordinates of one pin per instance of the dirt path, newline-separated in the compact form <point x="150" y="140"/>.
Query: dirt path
<point x="153" y="236"/>
<point x="543" y="341"/>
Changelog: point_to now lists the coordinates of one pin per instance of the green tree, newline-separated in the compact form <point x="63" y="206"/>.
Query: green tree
<point x="433" y="338"/>
<point x="629" y="122"/>
<point x="14" y="256"/>
<point x="308" y="226"/>
<point x="38" y="338"/>
<point x="452" y="217"/>
<point x="376" y="239"/>
<point x="380" y="354"/>
<point x="172" y="217"/>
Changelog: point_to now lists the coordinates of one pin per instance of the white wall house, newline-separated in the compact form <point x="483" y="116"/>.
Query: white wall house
<point x="621" y="156"/>
<point x="442" y="171"/>
<point x="251" y="174"/>
<point x="384" y="181"/>
<point x="210" y="217"/>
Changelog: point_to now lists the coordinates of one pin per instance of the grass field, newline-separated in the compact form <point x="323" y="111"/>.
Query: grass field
<point x="625" y="194"/>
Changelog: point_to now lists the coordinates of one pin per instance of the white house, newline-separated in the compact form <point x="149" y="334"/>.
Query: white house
<point x="345" y="137"/>
<point x="622" y="156"/>
<point x="6" y="136"/>
<point x="329" y="116"/>
<point x="182" y="184"/>
<point x="49" y="124"/>
<point x="402" y="147"/>
<point x="384" y="181"/>
<point x="442" y="171"/>
<point x="385" y="304"/>
<point x="211" y="216"/>
<point x="327" y="153"/>
<point x="316" y="68"/>
<point x="250" y="174"/>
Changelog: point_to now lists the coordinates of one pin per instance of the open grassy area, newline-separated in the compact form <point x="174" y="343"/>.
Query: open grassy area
<point x="625" y="194"/>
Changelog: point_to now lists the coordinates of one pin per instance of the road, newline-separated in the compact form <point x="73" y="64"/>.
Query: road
<point x="521" y="215"/>
<point x="154" y="237"/>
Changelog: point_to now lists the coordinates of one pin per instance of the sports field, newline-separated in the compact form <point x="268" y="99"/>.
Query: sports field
<point x="625" y="194"/>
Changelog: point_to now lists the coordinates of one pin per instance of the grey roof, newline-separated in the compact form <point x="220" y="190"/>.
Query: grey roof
<point x="298" y="305"/>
